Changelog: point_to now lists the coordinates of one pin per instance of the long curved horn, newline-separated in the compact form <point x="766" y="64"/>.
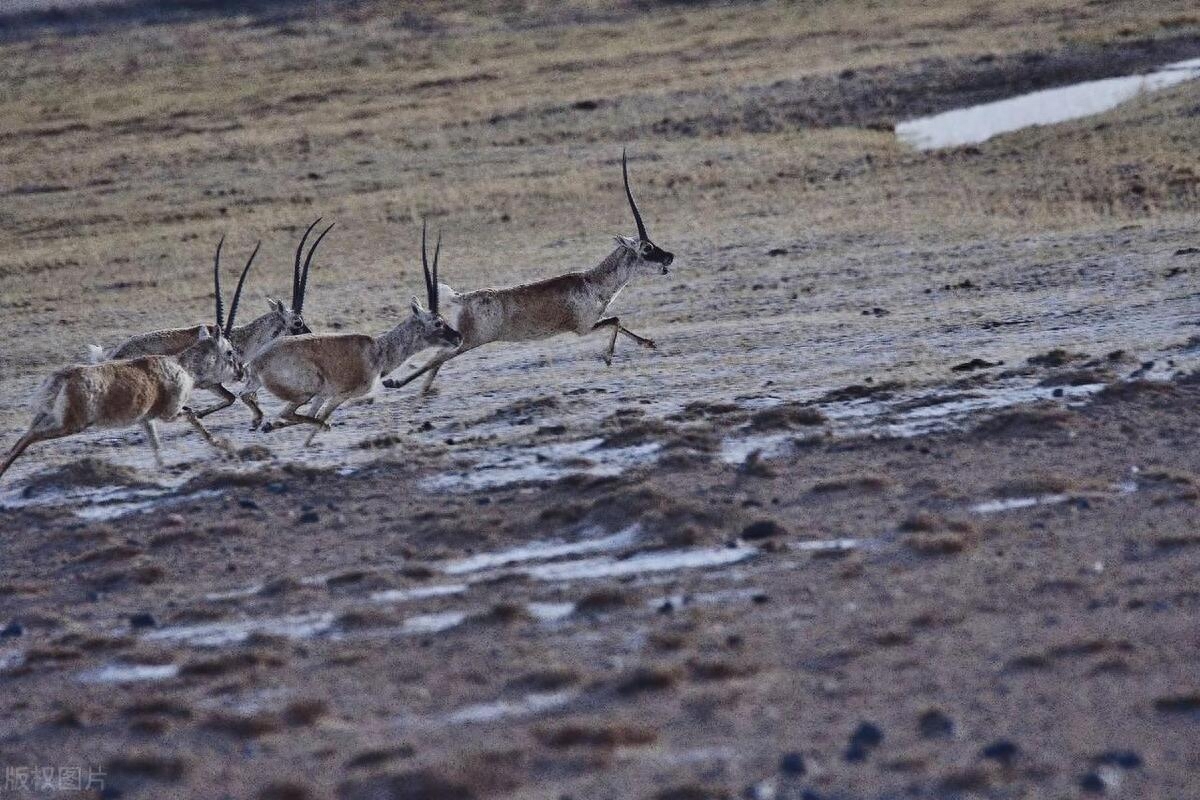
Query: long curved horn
<point x="296" y="266"/>
<point x="430" y="290"/>
<point x="237" y="293"/>
<point x="217" y="285"/>
<point x="308" y="263"/>
<point x="632" y="205"/>
<point x="433" y="281"/>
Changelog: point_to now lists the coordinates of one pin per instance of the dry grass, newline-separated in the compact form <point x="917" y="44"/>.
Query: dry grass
<point x="128" y="155"/>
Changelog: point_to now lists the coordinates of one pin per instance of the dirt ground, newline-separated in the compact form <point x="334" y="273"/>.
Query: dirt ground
<point x="903" y="505"/>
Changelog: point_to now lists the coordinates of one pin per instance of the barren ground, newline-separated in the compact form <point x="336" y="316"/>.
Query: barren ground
<point x="794" y="520"/>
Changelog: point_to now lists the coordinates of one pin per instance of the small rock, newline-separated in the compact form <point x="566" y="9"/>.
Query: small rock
<point x="793" y="764"/>
<point x="866" y="737"/>
<point x="1001" y="750"/>
<point x="756" y="466"/>
<point x="142" y="620"/>
<point x="309" y="517"/>
<point x="974" y="364"/>
<point x="933" y="724"/>
<point x="763" y="529"/>
<point x="248" y="503"/>
<point x="763" y="790"/>
<point x="1125" y="759"/>
<point x="777" y="251"/>
<point x="1099" y="781"/>
<point x="12" y="630"/>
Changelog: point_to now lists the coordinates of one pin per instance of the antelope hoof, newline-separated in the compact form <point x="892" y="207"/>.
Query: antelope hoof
<point x="649" y="343"/>
<point x="607" y="359"/>
<point x="325" y="426"/>
<point x="266" y="427"/>
<point x="391" y="383"/>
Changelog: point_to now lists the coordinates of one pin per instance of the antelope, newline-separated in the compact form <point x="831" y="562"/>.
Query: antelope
<point x="329" y="369"/>
<point x="572" y="303"/>
<point x="248" y="340"/>
<point x="139" y="390"/>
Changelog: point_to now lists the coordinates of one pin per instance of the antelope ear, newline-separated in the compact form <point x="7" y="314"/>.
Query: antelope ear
<point x="416" y="305"/>
<point x="204" y="334"/>
<point x="274" y="304"/>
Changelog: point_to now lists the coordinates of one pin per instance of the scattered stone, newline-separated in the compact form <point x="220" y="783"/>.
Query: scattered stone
<point x="866" y="737"/>
<point x="974" y="364"/>
<point x="862" y="482"/>
<point x="763" y="790"/>
<point x="777" y="251"/>
<point x="1099" y="781"/>
<point x="1187" y="251"/>
<point x="1057" y="357"/>
<point x="309" y="517"/>
<point x="374" y="758"/>
<point x="763" y="529"/>
<point x="857" y="391"/>
<point x="757" y="467"/>
<point x="603" y="736"/>
<point x="142" y="620"/>
<point x="602" y="600"/>
<point x="1001" y="750"/>
<point x="934" y="724"/>
<point x="1178" y="704"/>
<point x="415" y="785"/>
<point x="786" y="417"/>
<point x="647" y="679"/>
<point x="284" y="791"/>
<point x="1125" y="759"/>
<point x="12" y="630"/>
<point x="793" y="764"/>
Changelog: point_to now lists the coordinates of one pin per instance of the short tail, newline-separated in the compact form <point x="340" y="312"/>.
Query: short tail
<point x="95" y="353"/>
<point x="49" y="399"/>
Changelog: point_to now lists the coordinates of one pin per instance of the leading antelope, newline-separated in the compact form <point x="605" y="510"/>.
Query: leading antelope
<point x="571" y="303"/>
<point x="248" y="340"/>
<point x="326" y="370"/>
<point x="136" y="390"/>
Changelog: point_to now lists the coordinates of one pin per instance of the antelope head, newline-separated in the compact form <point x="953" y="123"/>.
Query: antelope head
<point x="290" y="319"/>
<point x="212" y="359"/>
<point x="435" y="331"/>
<point x="650" y="258"/>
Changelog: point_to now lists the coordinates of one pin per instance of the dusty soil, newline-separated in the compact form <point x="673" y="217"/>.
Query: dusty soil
<point x="1002" y="652"/>
<point x="903" y="504"/>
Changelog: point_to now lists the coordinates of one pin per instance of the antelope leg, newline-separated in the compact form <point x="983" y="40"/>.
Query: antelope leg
<point x="251" y="402"/>
<point x="434" y="364"/>
<point x="191" y="417"/>
<point x="227" y="399"/>
<point x="330" y="407"/>
<point x="641" y="340"/>
<point x="615" y="324"/>
<point x="152" y="437"/>
<point x="30" y="438"/>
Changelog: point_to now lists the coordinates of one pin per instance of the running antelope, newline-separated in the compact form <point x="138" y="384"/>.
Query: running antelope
<point x="571" y="303"/>
<point x="329" y="369"/>
<point x="248" y="340"/>
<point x="139" y="390"/>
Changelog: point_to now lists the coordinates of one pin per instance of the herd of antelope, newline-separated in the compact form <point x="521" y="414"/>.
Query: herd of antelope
<point x="151" y="377"/>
